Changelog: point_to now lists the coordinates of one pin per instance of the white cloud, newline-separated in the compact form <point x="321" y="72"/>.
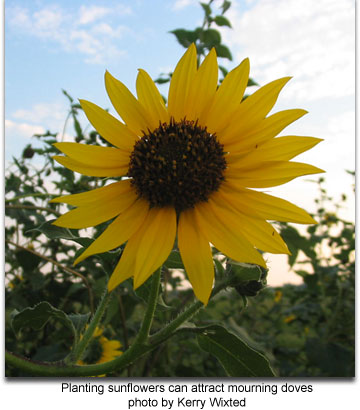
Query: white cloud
<point x="181" y="4"/>
<point x="88" y="14"/>
<point x="85" y="32"/>
<point x="42" y="112"/>
<point x="21" y="130"/>
<point x="312" y="41"/>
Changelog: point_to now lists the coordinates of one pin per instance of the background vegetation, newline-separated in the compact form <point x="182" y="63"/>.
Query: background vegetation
<point x="304" y="330"/>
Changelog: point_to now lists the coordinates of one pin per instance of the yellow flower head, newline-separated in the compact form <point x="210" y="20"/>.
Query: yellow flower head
<point x="190" y="168"/>
<point x="101" y="349"/>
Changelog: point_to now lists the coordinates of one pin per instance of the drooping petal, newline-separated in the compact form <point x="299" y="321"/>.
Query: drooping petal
<point x="98" y="195"/>
<point x="96" y="212"/>
<point x="270" y="173"/>
<point x="147" y="249"/>
<point x="224" y="237"/>
<point x="268" y="128"/>
<point x="119" y="231"/>
<point x="253" y="109"/>
<point x="181" y="83"/>
<point x="109" y="127"/>
<point x="157" y="240"/>
<point x="125" y="267"/>
<point x="91" y="170"/>
<point x="264" y="205"/>
<point x="258" y="232"/>
<point x="204" y="87"/>
<point x="227" y="98"/>
<point x="150" y="98"/>
<point x="94" y="155"/>
<point x="196" y="255"/>
<point x="127" y="106"/>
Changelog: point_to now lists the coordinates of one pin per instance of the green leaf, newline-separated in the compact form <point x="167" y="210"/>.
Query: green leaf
<point x="237" y="358"/>
<point x="211" y="38"/>
<point x="223" y="51"/>
<point x="251" y="82"/>
<point x="225" y="6"/>
<point x="68" y="96"/>
<point x="174" y="261"/>
<point x="57" y="232"/>
<point x="206" y="8"/>
<point x="222" y="21"/>
<point x="185" y="37"/>
<point x="162" y="80"/>
<point x="54" y="232"/>
<point x="223" y="70"/>
<point x="38" y="316"/>
<point x="27" y="260"/>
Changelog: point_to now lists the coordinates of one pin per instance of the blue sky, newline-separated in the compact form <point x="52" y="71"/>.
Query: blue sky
<point x="68" y="44"/>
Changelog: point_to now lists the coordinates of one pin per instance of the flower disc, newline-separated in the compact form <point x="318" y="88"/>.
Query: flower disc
<point x="178" y="164"/>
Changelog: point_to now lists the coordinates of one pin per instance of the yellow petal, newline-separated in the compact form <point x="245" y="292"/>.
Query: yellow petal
<point x="99" y="195"/>
<point x="93" y="154"/>
<point x="271" y="173"/>
<point x="109" y="127"/>
<point x="157" y="241"/>
<point x="125" y="267"/>
<point x="264" y="131"/>
<point x="253" y="109"/>
<point x="204" y="87"/>
<point x="224" y="237"/>
<point x="150" y="98"/>
<point x="127" y="106"/>
<point x="196" y="255"/>
<point x="227" y="98"/>
<point x="258" y="232"/>
<point x="181" y="83"/>
<point x="147" y="249"/>
<point x="286" y="148"/>
<point x="90" y="170"/>
<point x="119" y="231"/>
<point x="96" y="212"/>
<point x="278" y="149"/>
<point x="263" y="205"/>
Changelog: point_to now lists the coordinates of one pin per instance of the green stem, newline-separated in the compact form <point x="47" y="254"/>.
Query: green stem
<point x="169" y="330"/>
<point x="129" y="356"/>
<point x="81" y="346"/>
<point x="150" y="310"/>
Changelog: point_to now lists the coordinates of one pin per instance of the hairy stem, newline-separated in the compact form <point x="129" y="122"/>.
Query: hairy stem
<point x="81" y="346"/>
<point x="150" y="310"/>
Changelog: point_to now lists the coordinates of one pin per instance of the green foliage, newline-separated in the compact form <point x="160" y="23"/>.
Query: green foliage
<point x="237" y="358"/>
<point x="246" y="330"/>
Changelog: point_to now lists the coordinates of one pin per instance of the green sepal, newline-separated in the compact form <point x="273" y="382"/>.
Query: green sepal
<point x="79" y="322"/>
<point x="143" y="292"/>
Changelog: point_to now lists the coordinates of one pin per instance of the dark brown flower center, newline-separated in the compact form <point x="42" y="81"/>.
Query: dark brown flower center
<point x="177" y="164"/>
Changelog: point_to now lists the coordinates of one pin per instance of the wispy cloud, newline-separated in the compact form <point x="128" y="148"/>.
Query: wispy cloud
<point x="313" y="41"/>
<point x="86" y="31"/>
<point x="38" y="113"/>
<point x="17" y="130"/>
<point x="181" y="4"/>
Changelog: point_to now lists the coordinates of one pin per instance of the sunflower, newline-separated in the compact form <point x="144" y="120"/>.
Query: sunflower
<point x="101" y="349"/>
<point x="190" y="168"/>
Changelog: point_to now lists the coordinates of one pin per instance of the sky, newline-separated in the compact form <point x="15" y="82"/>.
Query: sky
<point x="68" y="44"/>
